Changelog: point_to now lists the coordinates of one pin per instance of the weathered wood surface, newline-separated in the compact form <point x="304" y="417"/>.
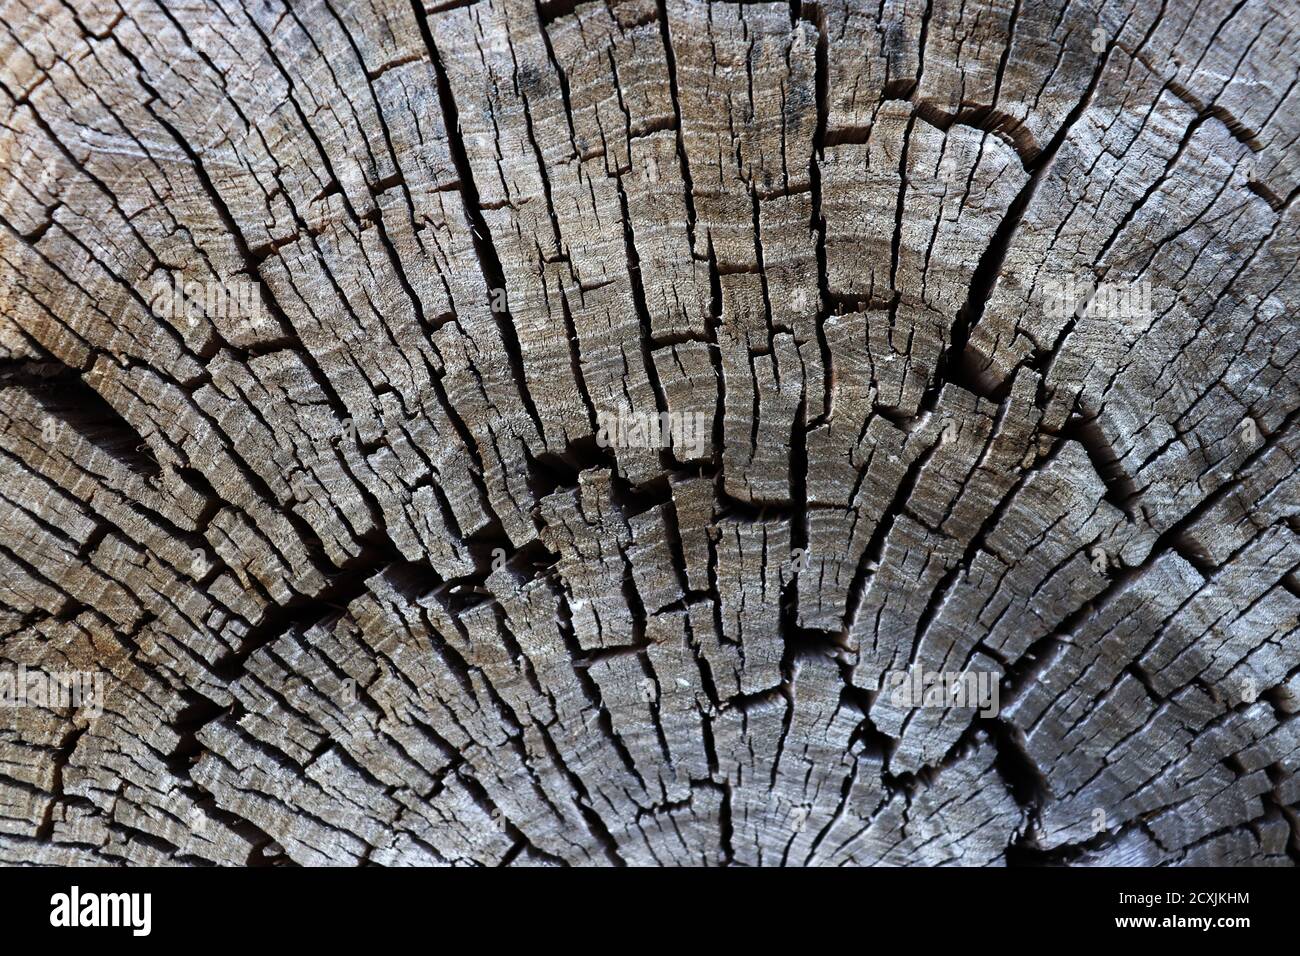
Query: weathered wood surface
<point x="315" y="320"/>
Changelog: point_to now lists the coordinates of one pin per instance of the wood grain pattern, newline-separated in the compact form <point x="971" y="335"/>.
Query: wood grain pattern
<point x="538" y="433"/>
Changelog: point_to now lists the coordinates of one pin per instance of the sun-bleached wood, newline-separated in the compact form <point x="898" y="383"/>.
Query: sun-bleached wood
<point x="313" y="319"/>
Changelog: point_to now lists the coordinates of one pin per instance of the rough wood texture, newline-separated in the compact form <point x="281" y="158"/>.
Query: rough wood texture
<point x="503" y="433"/>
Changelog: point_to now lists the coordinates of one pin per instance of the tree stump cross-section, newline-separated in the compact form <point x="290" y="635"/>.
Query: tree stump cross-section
<point x="649" y="432"/>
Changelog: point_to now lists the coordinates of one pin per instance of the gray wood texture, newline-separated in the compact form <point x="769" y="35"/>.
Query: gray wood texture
<point x="516" y="433"/>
